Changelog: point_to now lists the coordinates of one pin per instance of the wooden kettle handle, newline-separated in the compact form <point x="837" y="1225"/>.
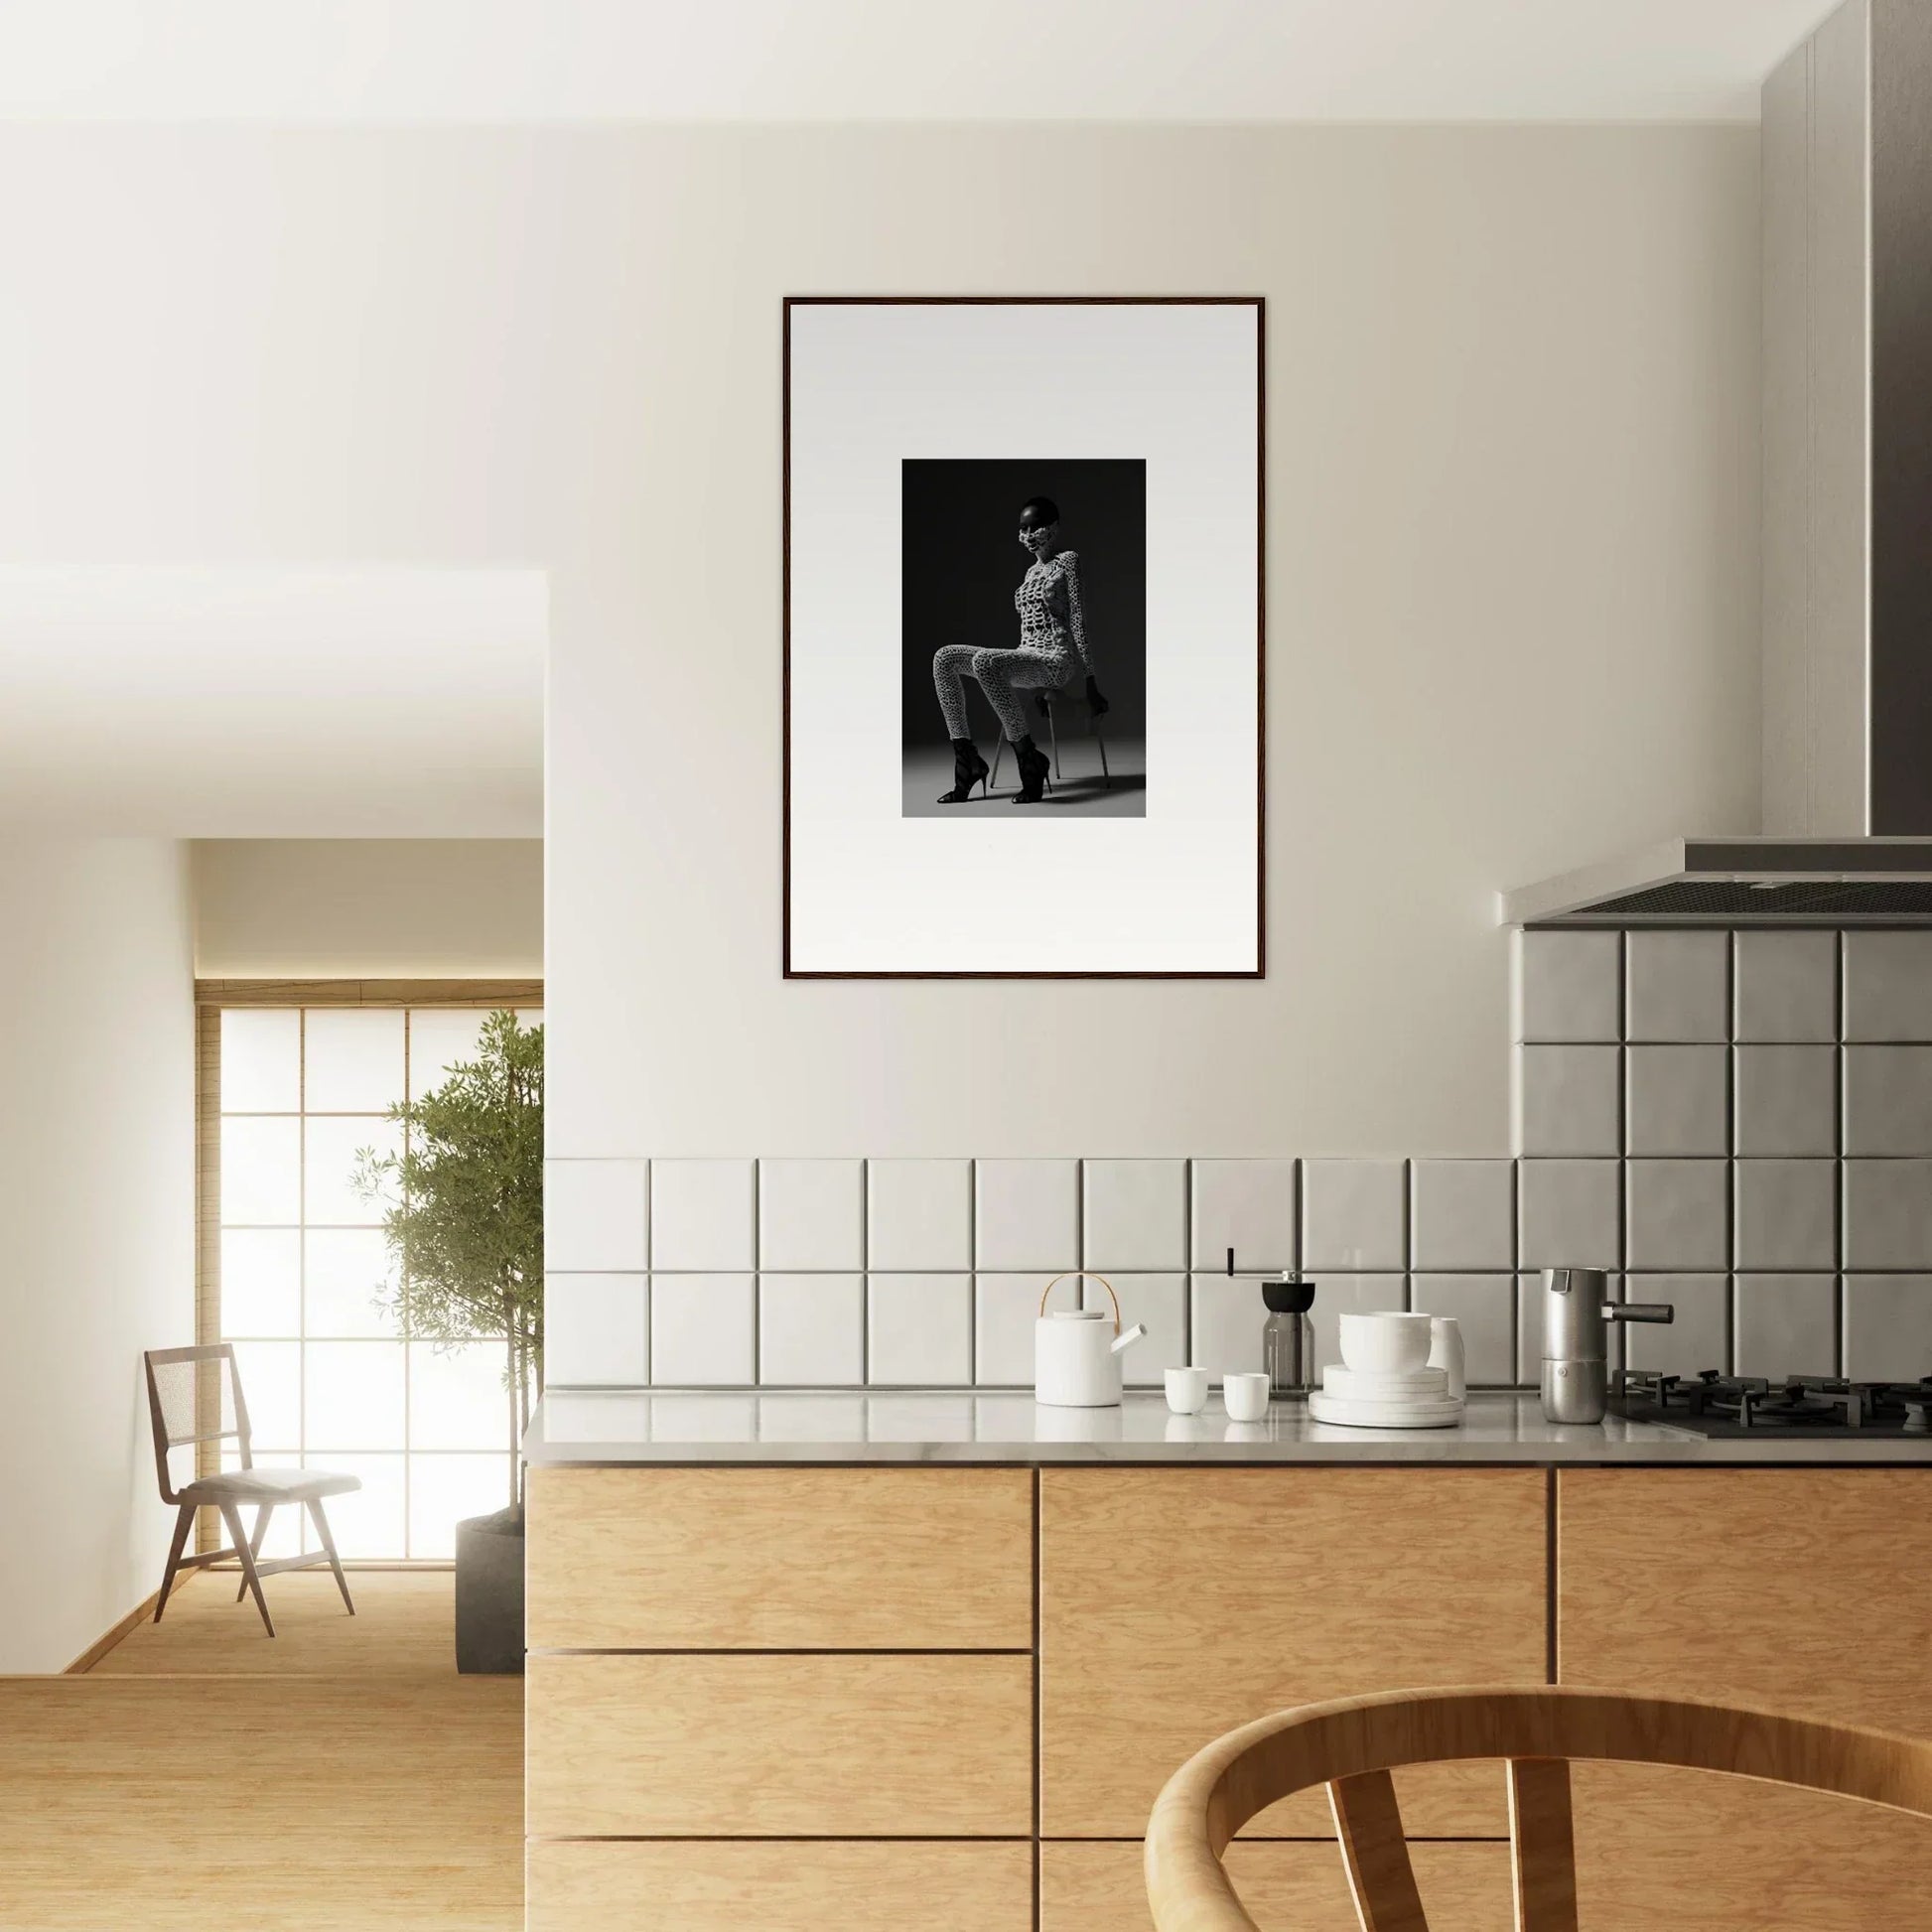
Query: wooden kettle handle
<point x="1084" y="1275"/>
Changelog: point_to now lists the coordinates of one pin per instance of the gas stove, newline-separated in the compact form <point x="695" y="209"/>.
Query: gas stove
<point x="1715" y="1405"/>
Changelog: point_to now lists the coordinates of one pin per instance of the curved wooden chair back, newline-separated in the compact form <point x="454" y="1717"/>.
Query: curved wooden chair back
<point x="1353" y="1745"/>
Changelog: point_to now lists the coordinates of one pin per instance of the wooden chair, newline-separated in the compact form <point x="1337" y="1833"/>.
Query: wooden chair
<point x="1352" y="1745"/>
<point x="195" y="1396"/>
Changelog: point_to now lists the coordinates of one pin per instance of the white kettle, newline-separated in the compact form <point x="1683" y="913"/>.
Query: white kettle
<point x="1077" y="1351"/>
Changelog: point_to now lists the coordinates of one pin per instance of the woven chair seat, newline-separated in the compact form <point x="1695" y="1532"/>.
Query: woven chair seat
<point x="268" y="1486"/>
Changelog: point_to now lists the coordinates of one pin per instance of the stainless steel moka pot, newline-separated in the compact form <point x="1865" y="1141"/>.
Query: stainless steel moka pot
<point x="1576" y="1316"/>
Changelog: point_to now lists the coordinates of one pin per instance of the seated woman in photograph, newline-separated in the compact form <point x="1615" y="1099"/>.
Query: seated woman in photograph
<point x="1053" y="637"/>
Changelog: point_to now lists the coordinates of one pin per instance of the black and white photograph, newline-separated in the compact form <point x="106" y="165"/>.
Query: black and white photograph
<point x="1023" y="647"/>
<point x="1024" y="584"/>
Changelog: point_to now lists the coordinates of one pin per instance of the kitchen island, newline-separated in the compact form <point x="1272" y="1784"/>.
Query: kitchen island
<point x="812" y="1660"/>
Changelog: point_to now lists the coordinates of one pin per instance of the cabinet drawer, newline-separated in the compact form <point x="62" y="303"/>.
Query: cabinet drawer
<point x="796" y="1887"/>
<point x="780" y="1559"/>
<point x="1177" y="1604"/>
<point x="1099" y="1887"/>
<point x="779" y="1746"/>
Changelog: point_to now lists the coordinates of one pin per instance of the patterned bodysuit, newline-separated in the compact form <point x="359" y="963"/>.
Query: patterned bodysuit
<point x="1052" y="640"/>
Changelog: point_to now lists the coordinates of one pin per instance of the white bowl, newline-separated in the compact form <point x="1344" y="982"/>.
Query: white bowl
<point x="1384" y="1344"/>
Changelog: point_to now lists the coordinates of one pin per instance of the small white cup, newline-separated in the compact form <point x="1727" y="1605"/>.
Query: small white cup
<point x="1187" y="1390"/>
<point x="1246" y="1396"/>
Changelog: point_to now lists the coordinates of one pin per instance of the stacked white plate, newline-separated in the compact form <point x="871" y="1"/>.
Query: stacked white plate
<point x="1367" y="1391"/>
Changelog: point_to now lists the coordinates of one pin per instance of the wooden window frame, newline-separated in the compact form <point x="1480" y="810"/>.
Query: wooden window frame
<point x="211" y="998"/>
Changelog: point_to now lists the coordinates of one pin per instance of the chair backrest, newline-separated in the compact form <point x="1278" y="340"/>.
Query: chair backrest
<point x="1353" y="1745"/>
<point x="194" y="1396"/>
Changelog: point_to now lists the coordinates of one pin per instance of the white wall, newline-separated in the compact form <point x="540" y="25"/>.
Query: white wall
<point x="384" y="909"/>
<point x="1511" y="550"/>
<point x="97" y="1201"/>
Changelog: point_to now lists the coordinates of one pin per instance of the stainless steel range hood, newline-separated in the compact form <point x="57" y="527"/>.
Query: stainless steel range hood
<point x="1740" y="882"/>
<point x="1846" y="523"/>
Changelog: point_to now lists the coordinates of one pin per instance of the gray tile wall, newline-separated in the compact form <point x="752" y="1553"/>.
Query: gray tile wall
<point x="1741" y="1122"/>
<point x="929" y="1273"/>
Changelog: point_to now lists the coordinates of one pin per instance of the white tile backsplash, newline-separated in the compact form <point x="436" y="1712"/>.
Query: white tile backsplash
<point x="703" y="1331"/>
<point x="1676" y="1100"/>
<point x="1889" y="1214"/>
<point x="1484" y="1306"/>
<point x="1568" y="986"/>
<point x="1354" y="1214"/>
<point x="1160" y="1301"/>
<point x="596" y="1330"/>
<point x="1786" y="1324"/>
<point x="1005" y="1309"/>
<point x="1569" y="1212"/>
<point x="1786" y="1101"/>
<point x="1463" y="1214"/>
<point x="703" y="1215"/>
<point x="1749" y="1151"/>
<point x="1677" y="986"/>
<point x="1027" y="1214"/>
<point x="811" y="1329"/>
<point x="1786" y="986"/>
<point x="1226" y="1319"/>
<point x="921" y="1329"/>
<point x="1785" y="1216"/>
<point x="1889" y="984"/>
<point x="1678" y="1215"/>
<point x="1566" y="1100"/>
<point x="919" y="1214"/>
<point x="1888" y="1328"/>
<point x="1133" y="1214"/>
<point x="1888" y="1100"/>
<point x="595" y="1216"/>
<point x="1246" y="1205"/>
<point x="811" y="1215"/>
<point x="1697" y="1337"/>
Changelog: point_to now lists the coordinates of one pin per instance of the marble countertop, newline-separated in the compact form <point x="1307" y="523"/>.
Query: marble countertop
<point x="964" y="1425"/>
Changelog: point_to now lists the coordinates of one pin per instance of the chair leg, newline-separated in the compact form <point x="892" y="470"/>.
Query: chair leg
<point x="184" y="1522"/>
<point x="1053" y="732"/>
<point x="231" y="1515"/>
<point x="1106" y="777"/>
<point x="329" y="1544"/>
<point x="262" y="1513"/>
<point x="999" y="752"/>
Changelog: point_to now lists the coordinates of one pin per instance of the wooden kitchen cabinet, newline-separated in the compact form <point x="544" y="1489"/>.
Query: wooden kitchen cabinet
<point x="781" y="1886"/>
<point x="780" y="1559"/>
<point x="1297" y="1884"/>
<point x="779" y="1746"/>
<point x="1177" y="1603"/>
<point x="1803" y="1590"/>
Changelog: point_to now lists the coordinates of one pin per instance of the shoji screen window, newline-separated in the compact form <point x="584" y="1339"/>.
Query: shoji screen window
<point x="308" y="1289"/>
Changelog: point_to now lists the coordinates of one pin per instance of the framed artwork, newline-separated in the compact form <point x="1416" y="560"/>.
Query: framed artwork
<point x="1024" y="637"/>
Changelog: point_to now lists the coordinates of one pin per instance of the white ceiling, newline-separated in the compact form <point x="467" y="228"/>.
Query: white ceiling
<point x="892" y="60"/>
<point x="189" y="703"/>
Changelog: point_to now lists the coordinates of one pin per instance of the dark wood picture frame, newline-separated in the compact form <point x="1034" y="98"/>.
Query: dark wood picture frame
<point x="1259" y="304"/>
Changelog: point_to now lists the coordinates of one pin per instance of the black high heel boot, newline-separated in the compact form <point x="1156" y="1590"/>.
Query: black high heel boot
<point x="968" y="769"/>
<point x="1034" y="769"/>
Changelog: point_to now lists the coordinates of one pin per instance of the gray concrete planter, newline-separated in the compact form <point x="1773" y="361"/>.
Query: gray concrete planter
<point x="490" y="1593"/>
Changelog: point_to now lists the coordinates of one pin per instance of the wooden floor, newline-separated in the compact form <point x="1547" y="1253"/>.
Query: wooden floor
<point x="341" y="1776"/>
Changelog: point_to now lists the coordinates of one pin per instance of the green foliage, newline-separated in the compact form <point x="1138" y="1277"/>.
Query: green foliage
<point x="463" y="1205"/>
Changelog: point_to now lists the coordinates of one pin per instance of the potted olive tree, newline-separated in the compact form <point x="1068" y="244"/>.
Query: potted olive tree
<point x="463" y="1213"/>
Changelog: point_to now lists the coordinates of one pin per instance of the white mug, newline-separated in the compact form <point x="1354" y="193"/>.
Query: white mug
<point x="1246" y="1396"/>
<point x="1187" y="1390"/>
<point x="1446" y="1352"/>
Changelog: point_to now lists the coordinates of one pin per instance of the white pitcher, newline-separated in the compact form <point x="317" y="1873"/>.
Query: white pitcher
<point x="1077" y="1351"/>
